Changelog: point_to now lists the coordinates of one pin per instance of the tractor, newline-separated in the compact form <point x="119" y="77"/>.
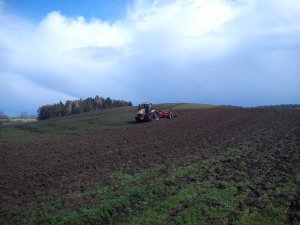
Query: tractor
<point x="146" y="113"/>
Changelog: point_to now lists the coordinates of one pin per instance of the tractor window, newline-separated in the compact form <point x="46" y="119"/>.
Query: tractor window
<point x="146" y="106"/>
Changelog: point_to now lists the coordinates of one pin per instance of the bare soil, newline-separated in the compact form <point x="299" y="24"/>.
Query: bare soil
<point x="33" y="172"/>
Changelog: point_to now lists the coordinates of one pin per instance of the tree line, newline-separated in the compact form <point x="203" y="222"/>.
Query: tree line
<point x="78" y="106"/>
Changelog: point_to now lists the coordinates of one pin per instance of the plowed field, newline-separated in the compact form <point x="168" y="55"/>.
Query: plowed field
<point x="251" y="153"/>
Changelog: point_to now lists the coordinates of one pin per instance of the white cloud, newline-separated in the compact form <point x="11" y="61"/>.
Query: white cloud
<point x="215" y="51"/>
<point x="69" y="33"/>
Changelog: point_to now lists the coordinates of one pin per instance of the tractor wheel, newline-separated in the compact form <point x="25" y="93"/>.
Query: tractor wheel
<point x="156" y="116"/>
<point x="139" y="118"/>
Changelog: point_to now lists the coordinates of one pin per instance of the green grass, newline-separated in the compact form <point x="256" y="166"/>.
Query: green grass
<point x="189" y="194"/>
<point x="67" y="126"/>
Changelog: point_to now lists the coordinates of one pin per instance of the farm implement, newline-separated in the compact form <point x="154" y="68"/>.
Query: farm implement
<point x="167" y="114"/>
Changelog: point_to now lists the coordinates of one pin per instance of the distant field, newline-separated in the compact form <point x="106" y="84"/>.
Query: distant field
<point x="24" y="130"/>
<point x="16" y="120"/>
<point x="211" y="165"/>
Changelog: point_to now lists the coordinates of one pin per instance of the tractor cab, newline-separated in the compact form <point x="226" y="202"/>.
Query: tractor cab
<point x="146" y="112"/>
<point x="147" y="106"/>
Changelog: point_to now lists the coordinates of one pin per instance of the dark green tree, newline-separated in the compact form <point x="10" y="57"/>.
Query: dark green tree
<point x="78" y="106"/>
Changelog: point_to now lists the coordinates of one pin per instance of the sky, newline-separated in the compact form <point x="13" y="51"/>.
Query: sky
<point x="229" y="52"/>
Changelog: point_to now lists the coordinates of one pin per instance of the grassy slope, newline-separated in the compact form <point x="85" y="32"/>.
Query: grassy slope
<point x="65" y="126"/>
<point x="16" y="132"/>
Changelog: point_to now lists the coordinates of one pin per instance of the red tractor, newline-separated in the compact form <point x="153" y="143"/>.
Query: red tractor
<point x="167" y="114"/>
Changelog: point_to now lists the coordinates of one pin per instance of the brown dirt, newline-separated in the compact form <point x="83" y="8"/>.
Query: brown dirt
<point x="31" y="172"/>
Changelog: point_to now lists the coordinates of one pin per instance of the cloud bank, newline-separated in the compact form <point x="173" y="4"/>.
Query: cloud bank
<point x="242" y="52"/>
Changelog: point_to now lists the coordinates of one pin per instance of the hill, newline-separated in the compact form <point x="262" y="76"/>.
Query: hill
<point x="177" y="106"/>
<point x="19" y="130"/>
<point x="216" y="165"/>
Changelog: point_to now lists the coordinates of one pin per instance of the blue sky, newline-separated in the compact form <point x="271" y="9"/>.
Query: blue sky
<point x="35" y="11"/>
<point x="242" y="52"/>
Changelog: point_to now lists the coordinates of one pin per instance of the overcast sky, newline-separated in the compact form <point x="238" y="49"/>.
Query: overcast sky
<point x="238" y="52"/>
